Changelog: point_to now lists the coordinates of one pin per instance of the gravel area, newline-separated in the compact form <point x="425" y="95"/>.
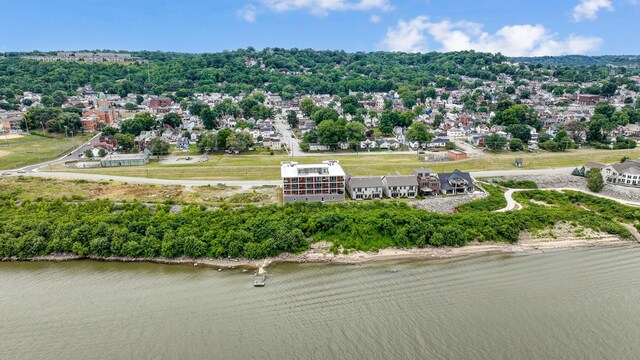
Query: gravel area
<point x="570" y="181"/>
<point x="445" y="204"/>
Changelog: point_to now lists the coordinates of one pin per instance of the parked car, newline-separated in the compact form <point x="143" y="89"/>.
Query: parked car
<point x="6" y="173"/>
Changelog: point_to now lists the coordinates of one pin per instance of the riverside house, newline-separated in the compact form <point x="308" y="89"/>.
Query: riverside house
<point x="399" y="186"/>
<point x="365" y="187"/>
<point x="455" y="183"/>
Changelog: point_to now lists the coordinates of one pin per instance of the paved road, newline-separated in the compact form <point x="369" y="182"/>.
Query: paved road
<point x="288" y="138"/>
<point x="251" y="183"/>
<point x="73" y="155"/>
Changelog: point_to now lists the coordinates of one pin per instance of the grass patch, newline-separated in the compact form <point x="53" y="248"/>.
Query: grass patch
<point x="20" y="152"/>
<point x="495" y="201"/>
<point x="252" y="167"/>
<point x="518" y="184"/>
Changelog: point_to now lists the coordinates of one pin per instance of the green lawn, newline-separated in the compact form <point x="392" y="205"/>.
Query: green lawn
<point x="254" y="167"/>
<point x="15" y="153"/>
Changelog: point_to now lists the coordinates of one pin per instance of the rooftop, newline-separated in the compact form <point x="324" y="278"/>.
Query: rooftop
<point x="293" y="169"/>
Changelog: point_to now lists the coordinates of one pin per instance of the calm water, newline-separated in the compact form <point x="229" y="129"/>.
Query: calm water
<point x="580" y="304"/>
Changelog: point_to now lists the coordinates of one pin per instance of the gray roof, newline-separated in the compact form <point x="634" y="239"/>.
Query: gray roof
<point x="401" y="180"/>
<point x="456" y="174"/>
<point x="423" y="171"/>
<point x="365" y="181"/>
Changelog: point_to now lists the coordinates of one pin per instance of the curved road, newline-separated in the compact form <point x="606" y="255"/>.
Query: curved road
<point x="513" y="205"/>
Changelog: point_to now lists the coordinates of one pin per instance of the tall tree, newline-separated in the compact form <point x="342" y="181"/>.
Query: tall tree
<point x="419" y="132"/>
<point x="292" y="119"/>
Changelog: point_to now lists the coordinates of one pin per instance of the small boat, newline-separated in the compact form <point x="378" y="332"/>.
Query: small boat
<point x="259" y="281"/>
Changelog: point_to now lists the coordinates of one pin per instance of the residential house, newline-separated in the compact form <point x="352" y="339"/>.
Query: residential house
<point x="457" y="182"/>
<point x="399" y="186"/>
<point x="625" y="174"/>
<point x="272" y="143"/>
<point x="428" y="182"/>
<point x="365" y="187"/>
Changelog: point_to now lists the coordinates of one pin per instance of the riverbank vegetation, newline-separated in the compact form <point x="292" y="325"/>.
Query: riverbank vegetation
<point x="105" y="228"/>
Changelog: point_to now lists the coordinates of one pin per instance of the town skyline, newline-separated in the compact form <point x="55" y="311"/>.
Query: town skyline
<point x="586" y="27"/>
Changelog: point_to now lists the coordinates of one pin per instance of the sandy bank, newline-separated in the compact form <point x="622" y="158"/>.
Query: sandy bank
<point x="319" y="253"/>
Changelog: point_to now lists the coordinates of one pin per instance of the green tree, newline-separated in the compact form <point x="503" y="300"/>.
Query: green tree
<point x="519" y="131"/>
<point x="208" y="142"/>
<point x="419" y="132"/>
<point x="495" y="142"/>
<point x="88" y="154"/>
<point x="223" y="135"/>
<point x="386" y="124"/>
<point x="109" y="131"/>
<point x="324" y="114"/>
<point x="605" y="109"/>
<point x="59" y="97"/>
<point x="125" y="142"/>
<point x="130" y="106"/>
<point x="172" y="119"/>
<point x="307" y="106"/>
<point x="332" y="132"/>
<point x="158" y="147"/>
<point x="208" y="118"/>
<point x="139" y="99"/>
<point x="292" y="119"/>
<point x="516" y="144"/>
<point x="239" y="141"/>
<point x="137" y="124"/>
<point x="102" y="152"/>
<point x="595" y="182"/>
<point x="355" y="131"/>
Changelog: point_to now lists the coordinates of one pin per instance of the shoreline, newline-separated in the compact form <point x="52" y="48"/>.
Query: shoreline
<point x="319" y="254"/>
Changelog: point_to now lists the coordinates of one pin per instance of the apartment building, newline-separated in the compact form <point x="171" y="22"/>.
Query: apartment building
<point x="312" y="183"/>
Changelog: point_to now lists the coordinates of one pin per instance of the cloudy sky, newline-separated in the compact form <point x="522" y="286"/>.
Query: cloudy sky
<point x="514" y="27"/>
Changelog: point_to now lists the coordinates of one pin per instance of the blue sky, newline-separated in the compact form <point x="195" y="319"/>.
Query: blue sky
<point x="515" y="27"/>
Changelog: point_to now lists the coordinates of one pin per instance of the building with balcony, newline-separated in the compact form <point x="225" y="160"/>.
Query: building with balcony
<point x="312" y="183"/>
<point x="400" y="186"/>
<point x="365" y="187"/>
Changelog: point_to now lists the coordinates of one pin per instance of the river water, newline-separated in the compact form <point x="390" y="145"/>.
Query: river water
<point x="577" y="304"/>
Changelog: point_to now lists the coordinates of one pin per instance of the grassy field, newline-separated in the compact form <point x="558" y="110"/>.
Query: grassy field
<point x="247" y="167"/>
<point x="33" y="188"/>
<point x="23" y="151"/>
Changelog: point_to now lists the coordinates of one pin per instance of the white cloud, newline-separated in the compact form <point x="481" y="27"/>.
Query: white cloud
<point x="512" y="40"/>
<point x="588" y="9"/>
<point x="375" y="18"/>
<point x="323" y="7"/>
<point x="247" y="13"/>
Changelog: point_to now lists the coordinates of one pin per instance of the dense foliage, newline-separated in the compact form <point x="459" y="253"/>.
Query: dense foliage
<point x="104" y="228"/>
<point x="287" y="72"/>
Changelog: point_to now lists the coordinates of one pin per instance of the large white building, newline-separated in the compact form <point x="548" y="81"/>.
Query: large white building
<point x="312" y="183"/>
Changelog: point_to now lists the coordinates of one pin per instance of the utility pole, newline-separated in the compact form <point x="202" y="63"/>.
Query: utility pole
<point x="38" y="150"/>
